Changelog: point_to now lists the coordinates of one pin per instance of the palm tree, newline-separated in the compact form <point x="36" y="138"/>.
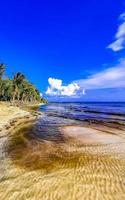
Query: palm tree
<point x="2" y="69"/>
<point x="28" y="91"/>
<point x="18" y="88"/>
<point x="17" y="82"/>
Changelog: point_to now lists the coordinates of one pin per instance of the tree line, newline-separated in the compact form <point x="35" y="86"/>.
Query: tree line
<point x="18" y="88"/>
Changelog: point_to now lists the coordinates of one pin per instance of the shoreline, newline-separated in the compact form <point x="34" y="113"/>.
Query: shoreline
<point x="79" y="157"/>
<point x="88" y="133"/>
<point x="9" y="115"/>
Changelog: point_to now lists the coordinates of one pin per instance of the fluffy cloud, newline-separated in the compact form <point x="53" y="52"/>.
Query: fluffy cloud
<point x="55" y="83"/>
<point x="69" y="90"/>
<point x="113" y="77"/>
<point x="119" y="43"/>
<point x="57" y="89"/>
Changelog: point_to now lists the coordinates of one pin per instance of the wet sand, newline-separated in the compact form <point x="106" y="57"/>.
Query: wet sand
<point x="64" y="162"/>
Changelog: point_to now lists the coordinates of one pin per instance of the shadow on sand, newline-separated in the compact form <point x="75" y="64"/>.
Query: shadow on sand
<point x="43" y="148"/>
<point x="46" y="148"/>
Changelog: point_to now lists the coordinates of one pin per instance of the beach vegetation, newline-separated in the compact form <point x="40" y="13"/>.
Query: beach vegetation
<point x="18" y="88"/>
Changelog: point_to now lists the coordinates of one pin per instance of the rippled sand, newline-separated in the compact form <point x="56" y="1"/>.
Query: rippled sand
<point x="65" y="163"/>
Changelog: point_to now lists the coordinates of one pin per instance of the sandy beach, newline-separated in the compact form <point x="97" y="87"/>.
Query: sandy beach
<point x="70" y="162"/>
<point x="9" y="113"/>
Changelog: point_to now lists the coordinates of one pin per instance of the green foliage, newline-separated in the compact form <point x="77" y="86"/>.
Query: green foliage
<point x="18" y="88"/>
<point x="44" y="101"/>
<point x="2" y="69"/>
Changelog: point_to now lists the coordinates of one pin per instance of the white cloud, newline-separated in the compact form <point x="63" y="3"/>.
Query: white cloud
<point x="55" y="83"/>
<point x="69" y="90"/>
<point x="113" y="77"/>
<point x="41" y="95"/>
<point x="119" y="43"/>
<point x="57" y="89"/>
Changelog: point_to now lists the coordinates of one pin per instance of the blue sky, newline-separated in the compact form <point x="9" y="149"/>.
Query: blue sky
<point x="66" y="48"/>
